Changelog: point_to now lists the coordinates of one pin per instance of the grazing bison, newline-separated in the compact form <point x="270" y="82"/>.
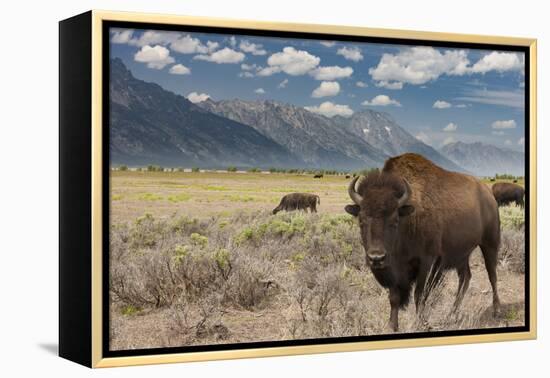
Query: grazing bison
<point x="298" y="201"/>
<point x="319" y="175"/>
<point x="348" y="176"/>
<point x="506" y="193"/>
<point x="417" y="220"/>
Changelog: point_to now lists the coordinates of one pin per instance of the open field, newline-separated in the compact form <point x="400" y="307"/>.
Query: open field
<point x="198" y="258"/>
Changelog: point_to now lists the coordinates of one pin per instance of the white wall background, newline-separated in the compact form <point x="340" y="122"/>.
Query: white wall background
<point x="29" y="186"/>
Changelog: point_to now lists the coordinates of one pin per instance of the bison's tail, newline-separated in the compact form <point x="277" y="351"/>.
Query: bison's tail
<point x="318" y="200"/>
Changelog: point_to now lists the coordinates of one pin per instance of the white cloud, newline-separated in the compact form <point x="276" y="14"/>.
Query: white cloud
<point x="448" y="140"/>
<point x="498" y="132"/>
<point x="195" y="98"/>
<point x="331" y="72"/>
<point x="423" y="137"/>
<point x="156" y="57"/>
<point x="179" y="69"/>
<point x="508" y="142"/>
<point x="361" y="84"/>
<point x="253" y="48"/>
<point x="248" y="67"/>
<point x="151" y="37"/>
<point x="501" y="125"/>
<point x="267" y="71"/>
<point x="283" y="84"/>
<point x="419" y="65"/>
<point x="498" y="61"/>
<point x="259" y="91"/>
<point x="390" y="84"/>
<point x="327" y="43"/>
<point x="291" y="61"/>
<point x="514" y="99"/>
<point x="211" y="46"/>
<point x="233" y="41"/>
<point x="122" y="36"/>
<point x="451" y="127"/>
<point x="381" y="100"/>
<point x="246" y="74"/>
<point x="440" y="104"/>
<point x="326" y="89"/>
<point x="189" y="45"/>
<point x="328" y="109"/>
<point x="350" y="53"/>
<point x="225" y="55"/>
<point x="521" y="141"/>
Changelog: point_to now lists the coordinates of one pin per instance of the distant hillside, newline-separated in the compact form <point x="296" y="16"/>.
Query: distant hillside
<point x="380" y="130"/>
<point x="485" y="159"/>
<point x="150" y="125"/>
<point x="314" y="138"/>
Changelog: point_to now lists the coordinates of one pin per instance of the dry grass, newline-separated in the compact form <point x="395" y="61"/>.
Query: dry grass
<point x="229" y="276"/>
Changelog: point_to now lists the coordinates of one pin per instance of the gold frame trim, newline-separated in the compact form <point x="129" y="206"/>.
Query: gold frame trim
<point x="99" y="16"/>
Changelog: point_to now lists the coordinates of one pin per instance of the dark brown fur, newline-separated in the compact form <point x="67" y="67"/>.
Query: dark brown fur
<point x="446" y="216"/>
<point x="506" y="193"/>
<point x="298" y="201"/>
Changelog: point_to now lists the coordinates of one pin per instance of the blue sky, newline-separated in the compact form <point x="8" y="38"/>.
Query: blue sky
<point x="439" y="95"/>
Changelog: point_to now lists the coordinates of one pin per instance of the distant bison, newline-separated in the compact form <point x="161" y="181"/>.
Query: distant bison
<point x="348" y="176"/>
<point x="417" y="220"/>
<point x="319" y="175"/>
<point x="298" y="201"/>
<point x="506" y="193"/>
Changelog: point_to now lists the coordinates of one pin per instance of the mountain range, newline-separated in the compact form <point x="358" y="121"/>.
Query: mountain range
<point x="485" y="159"/>
<point x="150" y="125"/>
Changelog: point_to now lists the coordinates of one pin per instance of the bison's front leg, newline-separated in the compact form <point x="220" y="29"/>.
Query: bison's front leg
<point x="395" y="299"/>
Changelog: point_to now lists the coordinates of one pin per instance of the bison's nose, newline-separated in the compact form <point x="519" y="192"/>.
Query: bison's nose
<point x="376" y="258"/>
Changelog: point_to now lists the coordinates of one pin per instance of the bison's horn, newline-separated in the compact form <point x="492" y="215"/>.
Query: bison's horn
<point x="405" y="197"/>
<point x="356" y="197"/>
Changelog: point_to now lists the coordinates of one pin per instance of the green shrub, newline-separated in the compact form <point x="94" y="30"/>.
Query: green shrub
<point x="130" y="310"/>
<point x="180" y="253"/>
<point x="180" y="197"/>
<point x="155" y="168"/>
<point x="199" y="240"/>
<point x="149" y="197"/>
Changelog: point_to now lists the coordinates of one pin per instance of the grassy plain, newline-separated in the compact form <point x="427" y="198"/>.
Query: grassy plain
<point x="198" y="258"/>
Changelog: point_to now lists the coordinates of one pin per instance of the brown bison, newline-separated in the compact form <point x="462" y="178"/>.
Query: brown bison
<point x="318" y="175"/>
<point x="417" y="220"/>
<point x="506" y="193"/>
<point x="298" y="201"/>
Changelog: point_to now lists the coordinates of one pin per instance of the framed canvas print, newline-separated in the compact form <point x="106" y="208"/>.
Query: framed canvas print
<point x="235" y="189"/>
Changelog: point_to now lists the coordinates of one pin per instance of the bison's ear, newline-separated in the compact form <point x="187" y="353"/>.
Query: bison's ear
<point x="352" y="209"/>
<point x="406" y="210"/>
